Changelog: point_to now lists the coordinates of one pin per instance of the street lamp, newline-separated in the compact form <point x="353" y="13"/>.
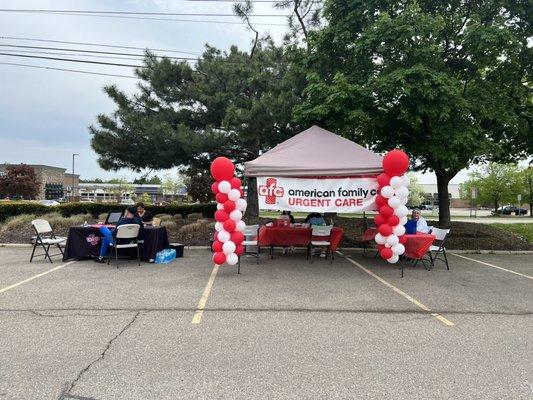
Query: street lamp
<point x="72" y="187"/>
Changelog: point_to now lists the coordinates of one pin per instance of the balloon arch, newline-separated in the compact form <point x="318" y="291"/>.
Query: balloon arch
<point x="390" y="202"/>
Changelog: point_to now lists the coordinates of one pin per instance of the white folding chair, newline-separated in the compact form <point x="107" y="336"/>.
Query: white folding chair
<point x="45" y="238"/>
<point x="125" y="232"/>
<point x="320" y="237"/>
<point x="251" y="233"/>
<point x="440" y="238"/>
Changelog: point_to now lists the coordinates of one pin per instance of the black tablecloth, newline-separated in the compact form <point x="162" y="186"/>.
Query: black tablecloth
<point x="85" y="242"/>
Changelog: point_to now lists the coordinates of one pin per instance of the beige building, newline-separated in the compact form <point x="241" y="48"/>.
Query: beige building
<point x="52" y="180"/>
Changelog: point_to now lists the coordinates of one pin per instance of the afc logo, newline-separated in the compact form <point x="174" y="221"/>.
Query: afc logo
<point x="93" y="239"/>
<point x="271" y="191"/>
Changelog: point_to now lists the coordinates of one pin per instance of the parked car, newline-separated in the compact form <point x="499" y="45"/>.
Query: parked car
<point x="426" y="207"/>
<point x="49" y="203"/>
<point x="508" y="210"/>
<point x="127" y="202"/>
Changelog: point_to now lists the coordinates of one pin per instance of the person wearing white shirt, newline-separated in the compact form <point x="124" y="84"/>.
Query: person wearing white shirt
<point x="421" y="224"/>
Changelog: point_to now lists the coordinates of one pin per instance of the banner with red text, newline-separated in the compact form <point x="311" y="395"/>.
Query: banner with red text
<point x="341" y="195"/>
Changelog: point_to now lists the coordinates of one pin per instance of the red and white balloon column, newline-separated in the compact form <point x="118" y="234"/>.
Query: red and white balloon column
<point x="391" y="201"/>
<point x="231" y="206"/>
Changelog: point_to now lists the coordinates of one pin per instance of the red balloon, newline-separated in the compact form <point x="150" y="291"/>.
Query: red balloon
<point x="215" y="237"/>
<point x="381" y="201"/>
<point x="221" y="198"/>
<point x="219" y="258"/>
<point x="403" y="239"/>
<point x="385" y="229"/>
<point x="217" y="246"/>
<point x="229" y="206"/>
<point x="229" y="225"/>
<point x="395" y="162"/>
<point x="383" y="180"/>
<point x="235" y="183"/>
<point x="386" y="211"/>
<point x="221" y="216"/>
<point x="379" y="220"/>
<point x="386" y="253"/>
<point x="393" y="220"/>
<point x="239" y="250"/>
<point x="237" y="237"/>
<point x="222" y="169"/>
<point x="214" y="188"/>
<point x="380" y="247"/>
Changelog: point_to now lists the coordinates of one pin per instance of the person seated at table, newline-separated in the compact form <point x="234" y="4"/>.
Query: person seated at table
<point x="417" y="223"/>
<point x="146" y="216"/>
<point x="315" y="219"/>
<point x="291" y="218"/>
<point x="130" y="217"/>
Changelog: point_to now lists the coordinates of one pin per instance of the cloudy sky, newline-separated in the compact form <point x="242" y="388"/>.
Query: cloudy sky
<point x="44" y="114"/>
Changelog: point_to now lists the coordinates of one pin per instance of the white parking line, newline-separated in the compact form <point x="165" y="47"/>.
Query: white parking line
<point x="491" y="265"/>
<point x="417" y="303"/>
<point x="35" y="277"/>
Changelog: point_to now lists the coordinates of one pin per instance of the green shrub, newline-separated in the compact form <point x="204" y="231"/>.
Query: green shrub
<point x="194" y="216"/>
<point x="10" y="209"/>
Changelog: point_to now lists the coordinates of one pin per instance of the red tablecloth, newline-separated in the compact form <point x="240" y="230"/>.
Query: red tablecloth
<point x="416" y="246"/>
<point x="293" y="236"/>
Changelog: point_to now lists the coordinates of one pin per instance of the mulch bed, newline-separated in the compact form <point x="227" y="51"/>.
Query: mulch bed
<point x="463" y="235"/>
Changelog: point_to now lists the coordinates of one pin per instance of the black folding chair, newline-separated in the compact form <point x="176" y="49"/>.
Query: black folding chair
<point x="46" y="239"/>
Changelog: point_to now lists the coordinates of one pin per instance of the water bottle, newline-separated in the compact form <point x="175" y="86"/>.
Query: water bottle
<point x="85" y="224"/>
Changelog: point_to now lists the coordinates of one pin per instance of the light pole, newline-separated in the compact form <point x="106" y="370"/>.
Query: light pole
<point x="72" y="187"/>
<point x="529" y="176"/>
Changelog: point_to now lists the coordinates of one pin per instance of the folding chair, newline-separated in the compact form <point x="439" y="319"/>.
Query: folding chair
<point x="45" y="238"/>
<point x="320" y="237"/>
<point x="125" y="232"/>
<point x="251" y="233"/>
<point x="440" y="238"/>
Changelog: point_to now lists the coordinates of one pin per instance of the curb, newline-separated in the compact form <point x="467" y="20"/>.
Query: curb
<point x="355" y="249"/>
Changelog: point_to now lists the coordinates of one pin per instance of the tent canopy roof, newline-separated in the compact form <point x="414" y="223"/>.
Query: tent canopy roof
<point x="316" y="152"/>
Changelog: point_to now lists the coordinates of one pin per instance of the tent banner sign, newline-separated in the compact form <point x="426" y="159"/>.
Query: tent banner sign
<point x="340" y="195"/>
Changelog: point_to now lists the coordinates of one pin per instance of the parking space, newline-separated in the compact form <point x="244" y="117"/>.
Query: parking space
<point x="284" y="328"/>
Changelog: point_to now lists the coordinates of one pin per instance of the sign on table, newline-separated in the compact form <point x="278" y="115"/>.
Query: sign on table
<point x="341" y="195"/>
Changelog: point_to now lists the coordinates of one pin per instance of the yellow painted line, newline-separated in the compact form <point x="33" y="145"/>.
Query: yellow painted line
<point x="492" y="265"/>
<point x="401" y="292"/>
<point x="205" y="295"/>
<point x="35" y="277"/>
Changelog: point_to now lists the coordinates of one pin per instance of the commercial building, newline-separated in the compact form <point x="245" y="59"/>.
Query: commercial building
<point x="52" y="180"/>
<point x="121" y="192"/>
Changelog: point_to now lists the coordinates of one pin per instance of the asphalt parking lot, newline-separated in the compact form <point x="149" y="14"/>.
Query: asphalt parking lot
<point x="283" y="329"/>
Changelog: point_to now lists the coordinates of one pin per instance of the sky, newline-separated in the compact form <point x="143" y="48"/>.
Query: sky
<point x="45" y="114"/>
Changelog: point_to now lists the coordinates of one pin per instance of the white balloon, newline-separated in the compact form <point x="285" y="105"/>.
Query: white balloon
<point x="387" y="191"/>
<point x="392" y="240"/>
<point x="403" y="220"/>
<point x="218" y="226"/>
<point x="228" y="247"/>
<point x="401" y="211"/>
<point x="398" y="249"/>
<point x="235" y="215"/>
<point x="220" y="206"/>
<point x="393" y="259"/>
<point x="402" y="192"/>
<point x="395" y="202"/>
<point x="224" y="186"/>
<point x="396" y="182"/>
<point x="379" y="238"/>
<point x="405" y="200"/>
<point x="398" y="230"/>
<point x="406" y="180"/>
<point x="240" y="226"/>
<point x="223" y="236"/>
<point x="232" y="259"/>
<point x="234" y="194"/>
<point x="241" y="205"/>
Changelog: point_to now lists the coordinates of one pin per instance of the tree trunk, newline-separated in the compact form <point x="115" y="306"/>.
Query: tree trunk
<point x="444" y="199"/>
<point x="252" y="210"/>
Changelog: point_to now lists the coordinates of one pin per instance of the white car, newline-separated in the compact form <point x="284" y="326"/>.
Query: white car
<point x="49" y="203"/>
<point x="127" y="202"/>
